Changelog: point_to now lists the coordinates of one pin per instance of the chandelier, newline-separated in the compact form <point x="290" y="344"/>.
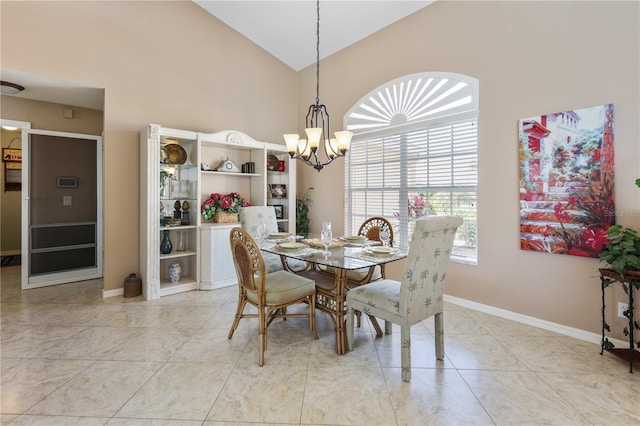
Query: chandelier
<point x="319" y="149"/>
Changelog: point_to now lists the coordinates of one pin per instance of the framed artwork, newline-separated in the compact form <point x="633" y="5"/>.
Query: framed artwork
<point x="566" y="181"/>
<point x="279" y="208"/>
<point x="12" y="155"/>
<point x="278" y="190"/>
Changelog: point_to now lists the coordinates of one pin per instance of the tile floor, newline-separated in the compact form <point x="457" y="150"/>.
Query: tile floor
<point x="71" y="358"/>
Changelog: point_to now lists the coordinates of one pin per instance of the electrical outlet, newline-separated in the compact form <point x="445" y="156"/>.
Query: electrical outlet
<point x="621" y="308"/>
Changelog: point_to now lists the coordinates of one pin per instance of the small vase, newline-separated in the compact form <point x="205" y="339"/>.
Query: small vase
<point x="182" y="241"/>
<point x="165" y="245"/>
<point x="174" y="272"/>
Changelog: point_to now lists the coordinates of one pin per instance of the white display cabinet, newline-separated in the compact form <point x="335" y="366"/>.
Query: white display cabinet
<point x="205" y="261"/>
<point x="169" y="177"/>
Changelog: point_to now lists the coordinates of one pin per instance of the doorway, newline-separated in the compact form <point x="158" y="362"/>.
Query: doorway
<point x="73" y="114"/>
<point x="61" y="208"/>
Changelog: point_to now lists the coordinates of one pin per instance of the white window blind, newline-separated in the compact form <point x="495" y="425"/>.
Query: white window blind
<point x="418" y="170"/>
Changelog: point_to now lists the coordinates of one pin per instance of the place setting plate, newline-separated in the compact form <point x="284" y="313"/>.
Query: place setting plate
<point x="278" y="235"/>
<point x="290" y="246"/>
<point x="380" y="251"/>
<point x="353" y="239"/>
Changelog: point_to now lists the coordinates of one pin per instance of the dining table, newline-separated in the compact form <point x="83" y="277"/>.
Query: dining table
<point x="328" y="269"/>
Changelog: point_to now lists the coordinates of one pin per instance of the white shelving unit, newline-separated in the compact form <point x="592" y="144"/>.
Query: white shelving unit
<point x="217" y="268"/>
<point x="206" y="262"/>
<point x="286" y="177"/>
<point x="157" y="201"/>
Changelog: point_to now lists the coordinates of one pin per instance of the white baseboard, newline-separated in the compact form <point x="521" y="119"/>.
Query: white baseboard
<point x="535" y="322"/>
<point x="112" y="293"/>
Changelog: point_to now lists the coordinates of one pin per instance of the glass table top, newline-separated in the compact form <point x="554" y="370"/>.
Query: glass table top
<point x="339" y="255"/>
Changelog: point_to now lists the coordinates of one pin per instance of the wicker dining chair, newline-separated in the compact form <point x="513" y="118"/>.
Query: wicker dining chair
<point x="419" y="295"/>
<point x="271" y="293"/>
<point x="370" y="229"/>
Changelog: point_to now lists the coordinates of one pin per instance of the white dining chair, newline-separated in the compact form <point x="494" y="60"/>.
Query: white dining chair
<point x="250" y="218"/>
<point x="419" y="293"/>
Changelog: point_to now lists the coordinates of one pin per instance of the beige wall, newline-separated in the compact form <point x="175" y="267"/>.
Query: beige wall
<point x="161" y="62"/>
<point x="531" y="58"/>
<point x="49" y="116"/>
<point x="171" y="63"/>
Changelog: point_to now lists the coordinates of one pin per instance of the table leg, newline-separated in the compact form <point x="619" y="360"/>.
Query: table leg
<point x="341" y="335"/>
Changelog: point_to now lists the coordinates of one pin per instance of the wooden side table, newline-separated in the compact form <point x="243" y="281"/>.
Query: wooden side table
<point x="629" y="284"/>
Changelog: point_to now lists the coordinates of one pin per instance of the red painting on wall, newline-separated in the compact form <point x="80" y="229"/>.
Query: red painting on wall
<point x="566" y="181"/>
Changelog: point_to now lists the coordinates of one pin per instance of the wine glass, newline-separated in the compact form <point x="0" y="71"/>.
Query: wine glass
<point x="326" y="225"/>
<point x="384" y="237"/>
<point x="326" y="238"/>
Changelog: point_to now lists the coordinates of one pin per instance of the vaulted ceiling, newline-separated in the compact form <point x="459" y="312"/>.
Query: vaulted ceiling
<point x="286" y="29"/>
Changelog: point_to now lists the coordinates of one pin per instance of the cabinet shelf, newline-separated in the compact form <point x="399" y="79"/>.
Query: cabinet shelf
<point x="213" y="172"/>
<point x="177" y="254"/>
<point x="177" y="228"/>
<point x="186" y="283"/>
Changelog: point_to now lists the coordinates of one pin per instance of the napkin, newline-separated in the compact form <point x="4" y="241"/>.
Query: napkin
<point x="316" y="242"/>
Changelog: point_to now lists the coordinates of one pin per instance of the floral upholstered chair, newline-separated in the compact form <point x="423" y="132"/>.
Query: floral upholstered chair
<point x="270" y="293"/>
<point x="419" y="295"/>
<point x="250" y="218"/>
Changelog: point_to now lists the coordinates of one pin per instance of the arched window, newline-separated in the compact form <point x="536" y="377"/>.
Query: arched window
<point x="414" y="153"/>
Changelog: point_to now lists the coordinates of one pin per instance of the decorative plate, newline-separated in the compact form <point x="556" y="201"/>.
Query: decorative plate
<point x="174" y="154"/>
<point x="272" y="162"/>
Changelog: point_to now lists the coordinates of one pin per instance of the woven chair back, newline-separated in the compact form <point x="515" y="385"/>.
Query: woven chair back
<point x="370" y="229"/>
<point x="248" y="260"/>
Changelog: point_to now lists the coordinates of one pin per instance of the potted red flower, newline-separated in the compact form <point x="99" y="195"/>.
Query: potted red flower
<point x="223" y="208"/>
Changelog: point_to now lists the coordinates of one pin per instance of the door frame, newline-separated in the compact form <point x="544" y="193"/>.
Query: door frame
<point x="55" y="278"/>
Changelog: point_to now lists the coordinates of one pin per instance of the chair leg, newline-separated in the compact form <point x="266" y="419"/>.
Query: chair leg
<point x="262" y="335"/>
<point x="239" y="309"/>
<point x="312" y="316"/>
<point x="388" y="327"/>
<point x="350" y="324"/>
<point x="376" y="326"/>
<point x="359" y="318"/>
<point x="405" y="339"/>
<point x="439" y="326"/>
